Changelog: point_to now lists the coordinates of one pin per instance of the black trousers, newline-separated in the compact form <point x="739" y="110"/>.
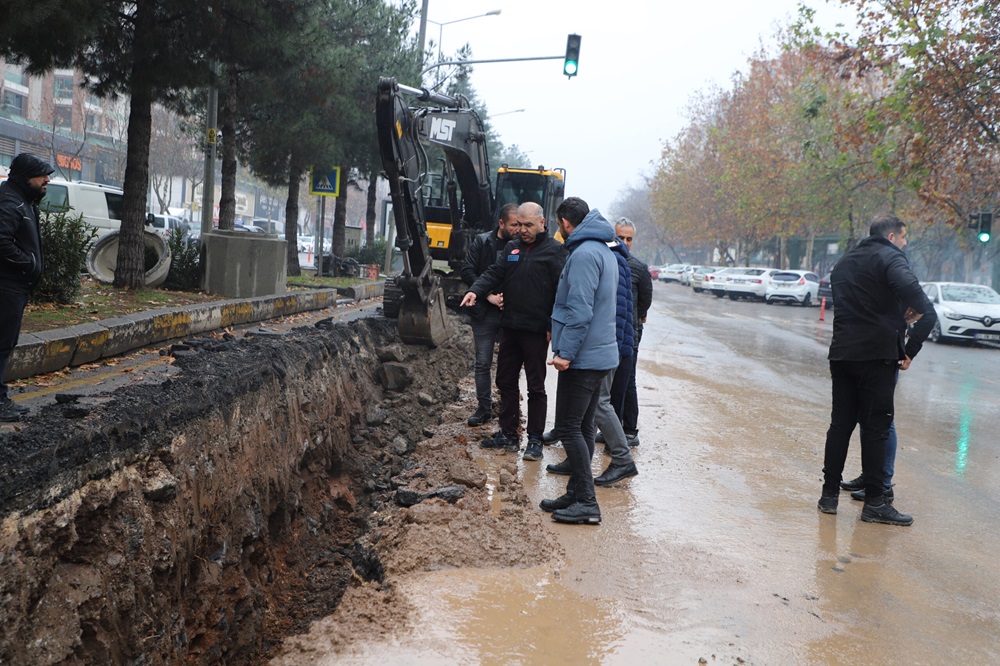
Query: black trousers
<point x="528" y="350"/>
<point x="11" y="311"/>
<point x="862" y="394"/>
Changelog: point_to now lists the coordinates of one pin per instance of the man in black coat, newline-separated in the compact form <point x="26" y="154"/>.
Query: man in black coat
<point x="21" y="261"/>
<point x="527" y="275"/>
<point x="484" y="250"/>
<point x="877" y="295"/>
<point x="642" y="298"/>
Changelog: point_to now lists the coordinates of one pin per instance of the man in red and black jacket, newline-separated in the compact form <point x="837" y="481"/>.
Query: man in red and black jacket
<point x="527" y="275"/>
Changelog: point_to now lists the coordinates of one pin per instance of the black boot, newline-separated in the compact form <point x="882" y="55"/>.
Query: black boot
<point x="562" y="468"/>
<point x="881" y="511"/>
<point x="828" y="503"/>
<point x="558" y="503"/>
<point x="616" y="473"/>
<point x="580" y="512"/>
<point x="860" y="495"/>
<point x="854" y="484"/>
<point x="482" y="415"/>
<point x="549" y="437"/>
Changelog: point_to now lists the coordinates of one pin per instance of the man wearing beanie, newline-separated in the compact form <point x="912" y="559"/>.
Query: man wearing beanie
<point x="20" y="258"/>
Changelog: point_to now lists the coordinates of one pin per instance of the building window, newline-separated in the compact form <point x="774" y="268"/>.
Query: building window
<point x="93" y="122"/>
<point x="63" y="117"/>
<point x="13" y="103"/>
<point x="15" y="75"/>
<point x="63" y="87"/>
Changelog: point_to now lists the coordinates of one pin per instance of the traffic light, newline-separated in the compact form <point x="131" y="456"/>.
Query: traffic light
<point x="572" y="63"/>
<point x="985" y="227"/>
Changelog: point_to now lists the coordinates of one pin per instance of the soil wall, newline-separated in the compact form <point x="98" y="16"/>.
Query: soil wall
<point x="202" y="519"/>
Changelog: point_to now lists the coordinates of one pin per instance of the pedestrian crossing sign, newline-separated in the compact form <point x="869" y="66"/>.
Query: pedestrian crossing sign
<point x="324" y="183"/>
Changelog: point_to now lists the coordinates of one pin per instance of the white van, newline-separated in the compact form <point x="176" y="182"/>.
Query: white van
<point x="100" y="205"/>
<point x="167" y="225"/>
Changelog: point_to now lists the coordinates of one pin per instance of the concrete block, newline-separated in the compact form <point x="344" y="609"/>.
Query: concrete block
<point x="25" y="358"/>
<point x="90" y="341"/>
<point x="169" y="324"/>
<point x="204" y="317"/>
<point x="57" y="352"/>
<point x="242" y="265"/>
<point x="360" y="292"/>
<point x="127" y="333"/>
<point x="235" y="312"/>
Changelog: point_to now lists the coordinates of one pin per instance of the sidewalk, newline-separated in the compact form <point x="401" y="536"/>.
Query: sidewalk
<point x="49" y="351"/>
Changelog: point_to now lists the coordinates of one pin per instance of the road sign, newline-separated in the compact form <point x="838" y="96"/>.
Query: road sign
<point x="324" y="183"/>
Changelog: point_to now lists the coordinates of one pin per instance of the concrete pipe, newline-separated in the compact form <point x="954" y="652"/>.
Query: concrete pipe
<point x="102" y="258"/>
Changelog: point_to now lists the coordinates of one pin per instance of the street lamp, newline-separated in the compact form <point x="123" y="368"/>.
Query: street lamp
<point x="495" y="12"/>
<point x="497" y="115"/>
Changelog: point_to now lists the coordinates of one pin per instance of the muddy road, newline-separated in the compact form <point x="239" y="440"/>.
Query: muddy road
<point x="716" y="552"/>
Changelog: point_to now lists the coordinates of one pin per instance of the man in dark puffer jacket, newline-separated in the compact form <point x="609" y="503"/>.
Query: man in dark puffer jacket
<point x="20" y="258"/>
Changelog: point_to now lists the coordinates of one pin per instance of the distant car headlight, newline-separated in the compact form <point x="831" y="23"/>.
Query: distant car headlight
<point x="951" y="314"/>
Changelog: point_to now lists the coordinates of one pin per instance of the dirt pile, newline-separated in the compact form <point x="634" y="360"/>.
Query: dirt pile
<point x="207" y="517"/>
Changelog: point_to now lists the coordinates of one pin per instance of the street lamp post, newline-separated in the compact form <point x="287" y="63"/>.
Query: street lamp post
<point x="441" y="25"/>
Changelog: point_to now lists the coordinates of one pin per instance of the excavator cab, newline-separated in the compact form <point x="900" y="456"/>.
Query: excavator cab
<point x="545" y="187"/>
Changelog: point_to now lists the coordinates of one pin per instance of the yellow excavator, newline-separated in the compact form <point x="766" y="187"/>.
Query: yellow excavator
<point x="437" y="213"/>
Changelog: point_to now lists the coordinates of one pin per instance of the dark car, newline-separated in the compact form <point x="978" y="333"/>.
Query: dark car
<point x="825" y="291"/>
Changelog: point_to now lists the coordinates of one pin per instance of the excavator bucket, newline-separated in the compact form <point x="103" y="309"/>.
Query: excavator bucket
<point x="424" y="323"/>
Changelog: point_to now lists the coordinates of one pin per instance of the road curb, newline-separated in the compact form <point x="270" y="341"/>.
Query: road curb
<point x="49" y="351"/>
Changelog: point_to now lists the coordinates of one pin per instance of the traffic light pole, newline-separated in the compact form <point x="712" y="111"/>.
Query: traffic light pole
<point x="479" y="62"/>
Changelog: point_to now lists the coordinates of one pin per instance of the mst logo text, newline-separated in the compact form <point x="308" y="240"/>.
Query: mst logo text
<point x="442" y="129"/>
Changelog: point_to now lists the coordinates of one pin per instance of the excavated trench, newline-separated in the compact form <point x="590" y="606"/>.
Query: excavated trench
<point x="206" y="518"/>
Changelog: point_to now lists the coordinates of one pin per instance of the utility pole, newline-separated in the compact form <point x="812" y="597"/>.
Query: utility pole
<point x="211" y="141"/>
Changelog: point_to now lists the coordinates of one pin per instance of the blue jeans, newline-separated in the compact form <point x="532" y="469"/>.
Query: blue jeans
<point x="485" y="335"/>
<point x="577" y="394"/>
<point x="12" y="306"/>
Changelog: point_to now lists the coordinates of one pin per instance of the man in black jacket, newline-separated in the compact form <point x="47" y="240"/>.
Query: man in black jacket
<point x="527" y="274"/>
<point x="484" y="250"/>
<point x="20" y="258"/>
<point x="876" y="292"/>
<point x="642" y="298"/>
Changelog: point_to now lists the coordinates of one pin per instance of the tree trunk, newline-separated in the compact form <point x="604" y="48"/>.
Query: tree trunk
<point x="131" y="270"/>
<point x="370" y="212"/>
<point x="340" y="216"/>
<point x="292" y="218"/>
<point x="227" y="195"/>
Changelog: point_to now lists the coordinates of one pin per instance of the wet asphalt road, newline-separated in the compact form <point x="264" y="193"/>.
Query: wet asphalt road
<point x="716" y="550"/>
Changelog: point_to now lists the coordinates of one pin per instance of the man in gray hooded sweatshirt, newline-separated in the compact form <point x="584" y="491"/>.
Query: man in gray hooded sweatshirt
<point x="585" y="350"/>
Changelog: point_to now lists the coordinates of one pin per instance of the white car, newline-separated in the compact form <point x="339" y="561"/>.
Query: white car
<point x="699" y="276"/>
<point x="965" y="311"/>
<point x="686" y="275"/>
<point x="751" y="283"/>
<point x="673" y="272"/>
<point x="800" y="287"/>
<point x="718" y="281"/>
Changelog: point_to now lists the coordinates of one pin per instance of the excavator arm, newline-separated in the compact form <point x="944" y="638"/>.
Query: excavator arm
<point x="403" y="131"/>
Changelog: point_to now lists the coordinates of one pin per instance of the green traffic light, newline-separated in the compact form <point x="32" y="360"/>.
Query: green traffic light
<point x="569" y="69"/>
<point x="984" y="237"/>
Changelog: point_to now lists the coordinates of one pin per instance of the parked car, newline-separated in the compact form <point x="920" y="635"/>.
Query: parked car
<point x="167" y="225"/>
<point x="699" y="275"/>
<point x="100" y="205"/>
<point x="965" y="311"/>
<point x="686" y="275"/>
<point x="718" y="281"/>
<point x="751" y="283"/>
<point x="673" y="272"/>
<point x="654" y="272"/>
<point x="825" y="291"/>
<point x="800" y="287"/>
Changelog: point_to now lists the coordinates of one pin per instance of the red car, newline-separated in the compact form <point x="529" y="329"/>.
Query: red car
<point x="654" y="272"/>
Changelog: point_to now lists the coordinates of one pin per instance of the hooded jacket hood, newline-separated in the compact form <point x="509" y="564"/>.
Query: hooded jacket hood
<point x="593" y="227"/>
